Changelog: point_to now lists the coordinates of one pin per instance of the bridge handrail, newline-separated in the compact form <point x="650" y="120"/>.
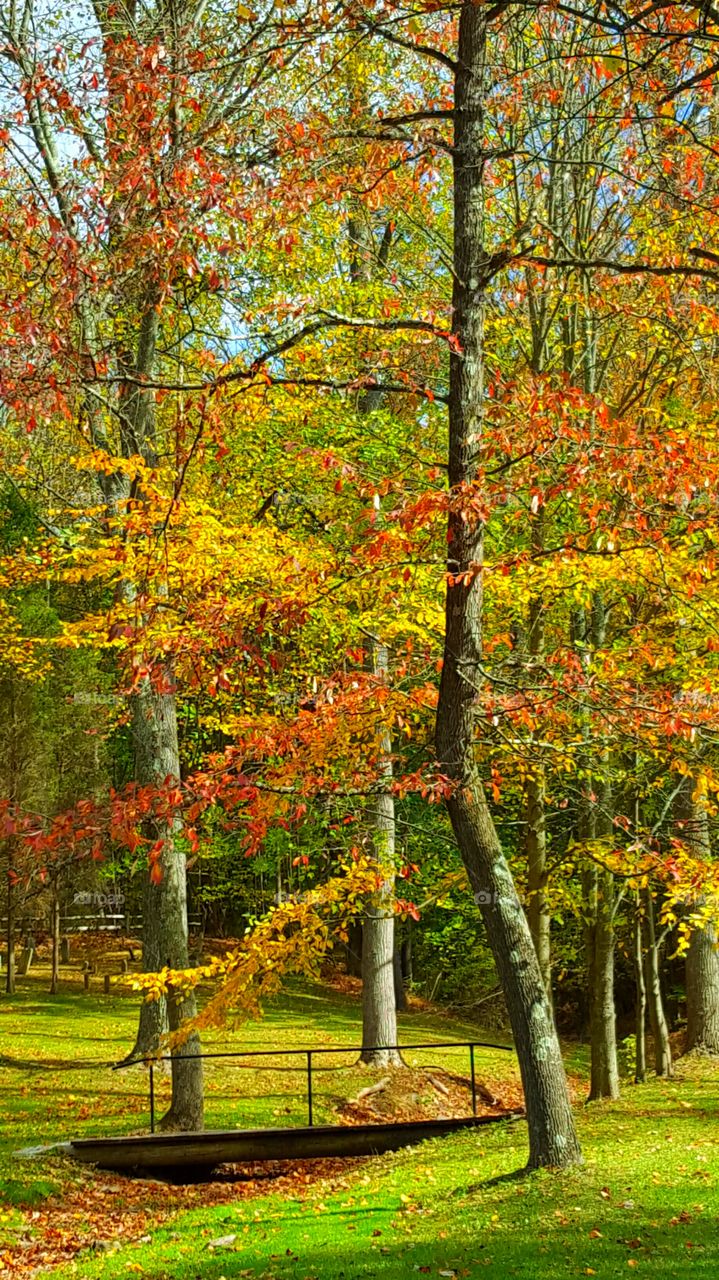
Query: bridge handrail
<point x="313" y="1049"/>
<point x="151" y="1061"/>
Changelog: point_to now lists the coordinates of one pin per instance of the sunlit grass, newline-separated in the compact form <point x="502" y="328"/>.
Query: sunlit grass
<point x="646" y="1201"/>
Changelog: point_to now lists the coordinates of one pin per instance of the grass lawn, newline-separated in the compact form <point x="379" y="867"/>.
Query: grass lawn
<point x="646" y="1202"/>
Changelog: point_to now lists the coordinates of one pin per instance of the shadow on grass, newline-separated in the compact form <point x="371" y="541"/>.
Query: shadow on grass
<point x="353" y="1244"/>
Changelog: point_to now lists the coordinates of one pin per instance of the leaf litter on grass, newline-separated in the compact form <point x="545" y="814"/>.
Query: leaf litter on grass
<point x="94" y="1216"/>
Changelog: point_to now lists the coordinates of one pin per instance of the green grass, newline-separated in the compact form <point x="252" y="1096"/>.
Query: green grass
<point x="645" y="1203"/>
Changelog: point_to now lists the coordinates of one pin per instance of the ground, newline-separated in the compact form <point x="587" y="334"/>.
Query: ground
<point x="646" y="1202"/>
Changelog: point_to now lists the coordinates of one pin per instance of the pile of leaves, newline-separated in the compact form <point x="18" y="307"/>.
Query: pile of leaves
<point x="427" y="1093"/>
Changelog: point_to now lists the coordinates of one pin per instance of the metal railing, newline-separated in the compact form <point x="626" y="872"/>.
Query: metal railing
<point x="308" y="1055"/>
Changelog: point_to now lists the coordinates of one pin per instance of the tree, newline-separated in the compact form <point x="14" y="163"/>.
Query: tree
<point x="552" y="1138"/>
<point x="702" y="956"/>
<point x="379" y="1005"/>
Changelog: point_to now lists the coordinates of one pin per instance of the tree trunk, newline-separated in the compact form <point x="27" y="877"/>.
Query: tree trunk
<point x="55" y="935"/>
<point x="407" y="976"/>
<point x="702" y="961"/>
<point x="702" y="979"/>
<point x="599" y="898"/>
<point x="10" y="931"/>
<point x="640" y="1017"/>
<point x="164" y="934"/>
<point x="157" y="759"/>
<point x="657" y="1019"/>
<point x="379" y="1014"/>
<point x="153" y="1021"/>
<point x="604" y="1081"/>
<point x="536" y="844"/>
<point x="536" y="829"/>
<point x="379" y="1022"/>
<point x="552" y="1137"/>
<point x="400" y="995"/>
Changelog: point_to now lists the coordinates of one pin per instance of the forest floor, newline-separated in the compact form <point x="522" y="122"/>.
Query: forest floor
<point x="646" y="1201"/>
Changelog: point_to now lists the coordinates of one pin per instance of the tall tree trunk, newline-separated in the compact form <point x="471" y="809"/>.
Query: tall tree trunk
<point x="379" y="1010"/>
<point x="157" y="759"/>
<point x="534" y="799"/>
<point x="604" y="1080"/>
<point x="657" y="1018"/>
<point x="702" y="961"/>
<point x="536" y="846"/>
<point x="702" y="979"/>
<point x="164" y="936"/>
<point x="599" y="899"/>
<point x="55" y="940"/>
<point x="400" y="994"/>
<point x="407" y="975"/>
<point x="552" y="1136"/>
<point x="604" y="1074"/>
<point x="10" y="930"/>
<point x="640" y="986"/>
<point x="379" y="1015"/>
<point x="13" y="789"/>
<point x="640" y="1013"/>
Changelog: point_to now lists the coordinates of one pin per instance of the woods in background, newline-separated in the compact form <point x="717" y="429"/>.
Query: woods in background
<point x="358" y="504"/>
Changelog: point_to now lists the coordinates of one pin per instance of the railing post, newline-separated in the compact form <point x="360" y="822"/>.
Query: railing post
<point x="474" y="1082"/>
<point x="309" y="1088"/>
<point x="152" y="1097"/>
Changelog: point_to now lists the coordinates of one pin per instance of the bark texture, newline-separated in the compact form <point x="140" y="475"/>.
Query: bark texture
<point x="604" y="1080"/>
<point x="596" y="825"/>
<point x="702" y="978"/>
<point x="655" y="1000"/>
<point x="640" y="1014"/>
<point x="379" y="1009"/>
<point x="599" y="888"/>
<point x="10" y="924"/>
<point x="552" y="1137"/>
<point x="55" y="941"/>
<point x="536" y="845"/>
<point x="702" y="962"/>
<point x="535" y="806"/>
<point x="164" y="938"/>
<point x="400" y="995"/>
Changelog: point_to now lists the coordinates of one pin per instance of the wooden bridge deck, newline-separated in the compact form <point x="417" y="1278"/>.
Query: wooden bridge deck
<point x="177" y="1151"/>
